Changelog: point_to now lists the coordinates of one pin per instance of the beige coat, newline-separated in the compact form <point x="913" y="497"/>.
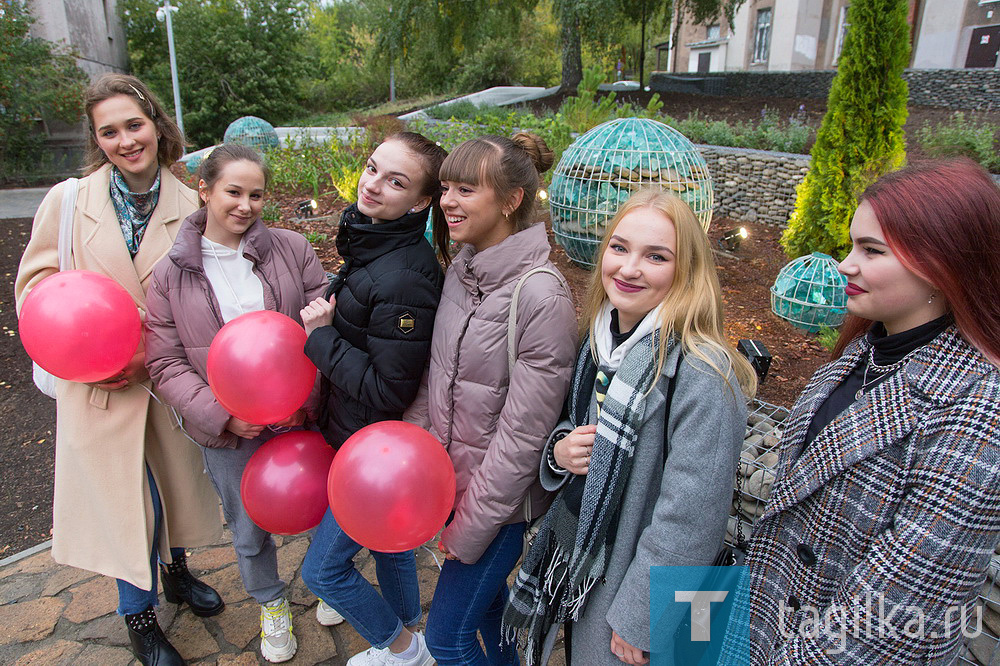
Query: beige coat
<point x="103" y="512"/>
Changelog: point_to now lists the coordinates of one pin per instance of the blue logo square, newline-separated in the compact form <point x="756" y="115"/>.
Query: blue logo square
<point x="689" y="613"/>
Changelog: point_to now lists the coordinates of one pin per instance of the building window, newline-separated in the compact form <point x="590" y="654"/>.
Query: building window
<point x="762" y="36"/>
<point x="712" y="32"/>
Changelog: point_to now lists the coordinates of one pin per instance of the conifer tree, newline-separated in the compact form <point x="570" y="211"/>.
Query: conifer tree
<point x="861" y="136"/>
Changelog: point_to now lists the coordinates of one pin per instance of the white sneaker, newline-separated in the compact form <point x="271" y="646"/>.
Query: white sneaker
<point x="385" y="657"/>
<point x="277" y="642"/>
<point x="326" y="615"/>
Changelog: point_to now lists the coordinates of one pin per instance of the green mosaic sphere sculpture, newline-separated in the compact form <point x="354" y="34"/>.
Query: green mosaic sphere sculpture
<point x="604" y="166"/>
<point x="252" y="131"/>
<point x="809" y="292"/>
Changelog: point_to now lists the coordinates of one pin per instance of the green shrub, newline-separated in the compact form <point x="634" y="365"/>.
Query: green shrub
<point x="862" y="133"/>
<point x="306" y="165"/>
<point x="964" y="137"/>
<point x="585" y="111"/>
<point x="827" y="337"/>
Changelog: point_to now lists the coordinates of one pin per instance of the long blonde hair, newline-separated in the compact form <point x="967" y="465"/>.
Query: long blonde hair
<point x="692" y="308"/>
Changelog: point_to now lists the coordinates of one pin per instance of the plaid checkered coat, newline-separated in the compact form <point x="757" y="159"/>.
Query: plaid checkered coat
<point x="897" y="499"/>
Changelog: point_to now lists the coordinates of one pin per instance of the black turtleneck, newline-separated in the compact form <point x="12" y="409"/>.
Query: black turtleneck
<point x="887" y="349"/>
<point x="617" y="337"/>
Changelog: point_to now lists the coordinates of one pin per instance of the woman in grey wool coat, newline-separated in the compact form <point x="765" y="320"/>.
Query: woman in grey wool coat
<point x="657" y="414"/>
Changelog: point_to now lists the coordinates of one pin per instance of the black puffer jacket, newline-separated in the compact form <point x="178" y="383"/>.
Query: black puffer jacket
<point x="373" y="356"/>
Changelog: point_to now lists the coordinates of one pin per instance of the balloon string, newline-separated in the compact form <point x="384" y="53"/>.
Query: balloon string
<point x="177" y="417"/>
<point x="279" y="429"/>
<point x="436" y="560"/>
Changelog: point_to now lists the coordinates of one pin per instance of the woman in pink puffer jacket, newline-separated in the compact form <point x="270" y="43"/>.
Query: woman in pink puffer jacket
<point x="493" y="421"/>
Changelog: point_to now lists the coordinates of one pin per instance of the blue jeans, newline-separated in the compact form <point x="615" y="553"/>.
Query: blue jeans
<point x="131" y="599"/>
<point x="470" y="598"/>
<point x="328" y="571"/>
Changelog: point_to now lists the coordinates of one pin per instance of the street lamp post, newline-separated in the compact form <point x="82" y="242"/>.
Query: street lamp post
<point x="164" y="14"/>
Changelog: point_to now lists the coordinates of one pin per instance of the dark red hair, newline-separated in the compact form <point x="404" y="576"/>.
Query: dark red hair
<point x="942" y="219"/>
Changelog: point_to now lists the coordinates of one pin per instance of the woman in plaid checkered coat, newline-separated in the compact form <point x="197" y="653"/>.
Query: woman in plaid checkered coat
<point x="886" y="509"/>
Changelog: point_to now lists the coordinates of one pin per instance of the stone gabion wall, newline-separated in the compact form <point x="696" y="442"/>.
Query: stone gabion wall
<point x="946" y="88"/>
<point x="754" y="185"/>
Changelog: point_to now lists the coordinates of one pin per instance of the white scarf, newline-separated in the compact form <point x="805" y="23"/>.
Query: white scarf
<point x="609" y="359"/>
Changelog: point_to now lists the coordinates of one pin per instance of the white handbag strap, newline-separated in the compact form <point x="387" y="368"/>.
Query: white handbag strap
<point x="66" y="223"/>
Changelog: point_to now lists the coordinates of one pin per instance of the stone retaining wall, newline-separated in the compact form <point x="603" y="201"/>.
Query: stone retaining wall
<point x="754" y="185"/>
<point x="946" y="88"/>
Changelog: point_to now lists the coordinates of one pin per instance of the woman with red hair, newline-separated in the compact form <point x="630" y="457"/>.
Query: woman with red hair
<point x="886" y="508"/>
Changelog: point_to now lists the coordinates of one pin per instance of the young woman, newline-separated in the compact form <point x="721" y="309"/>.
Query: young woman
<point x="493" y="420"/>
<point x="225" y="263"/>
<point x="886" y="508"/>
<point x="657" y="413"/>
<point x="370" y="338"/>
<point x="128" y="485"/>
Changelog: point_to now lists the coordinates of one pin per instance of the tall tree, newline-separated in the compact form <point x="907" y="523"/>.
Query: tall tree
<point x="235" y="58"/>
<point x="862" y="132"/>
<point x="37" y="80"/>
<point x="593" y="17"/>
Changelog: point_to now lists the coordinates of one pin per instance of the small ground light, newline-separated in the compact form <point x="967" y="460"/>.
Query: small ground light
<point x="543" y="195"/>
<point x="306" y="208"/>
<point x="732" y="238"/>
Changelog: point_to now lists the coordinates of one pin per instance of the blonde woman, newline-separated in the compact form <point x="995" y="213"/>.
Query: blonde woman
<point x="656" y="416"/>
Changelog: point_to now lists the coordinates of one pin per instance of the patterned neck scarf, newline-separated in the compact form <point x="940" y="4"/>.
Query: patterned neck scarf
<point x="133" y="208"/>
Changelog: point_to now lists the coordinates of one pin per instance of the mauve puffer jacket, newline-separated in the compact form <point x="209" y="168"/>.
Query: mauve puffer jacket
<point x="183" y="315"/>
<point x="495" y="425"/>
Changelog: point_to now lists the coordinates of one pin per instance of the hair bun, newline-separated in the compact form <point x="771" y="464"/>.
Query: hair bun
<point x="539" y="152"/>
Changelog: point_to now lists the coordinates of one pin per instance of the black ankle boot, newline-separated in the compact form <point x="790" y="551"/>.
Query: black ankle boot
<point x="179" y="585"/>
<point x="149" y="645"/>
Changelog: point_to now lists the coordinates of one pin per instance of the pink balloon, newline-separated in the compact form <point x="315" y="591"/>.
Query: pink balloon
<point x="284" y="482"/>
<point x="391" y="486"/>
<point x="80" y="326"/>
<point x="257" y="369"/>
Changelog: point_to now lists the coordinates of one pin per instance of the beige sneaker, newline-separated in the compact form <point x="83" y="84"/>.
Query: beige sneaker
<point x="277" y="642"/>
<point x="326" y="615"/>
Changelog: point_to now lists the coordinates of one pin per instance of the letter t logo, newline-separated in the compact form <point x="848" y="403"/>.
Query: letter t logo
<point x="701" y="604"/>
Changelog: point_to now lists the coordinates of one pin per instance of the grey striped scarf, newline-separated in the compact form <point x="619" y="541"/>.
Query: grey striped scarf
<point x="570" y="552"/>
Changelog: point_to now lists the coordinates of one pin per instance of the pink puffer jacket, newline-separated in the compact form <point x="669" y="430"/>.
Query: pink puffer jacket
<point x="183" y="315"/>
<point x="495" y="425"/>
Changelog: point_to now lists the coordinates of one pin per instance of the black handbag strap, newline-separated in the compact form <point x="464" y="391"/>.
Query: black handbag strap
<point x="668" y="400"/>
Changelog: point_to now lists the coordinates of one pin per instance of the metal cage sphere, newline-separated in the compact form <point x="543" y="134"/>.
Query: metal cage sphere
<point x="604" y="166"/>
<point x="809" y="292"/>
<point x="252" y="131"/>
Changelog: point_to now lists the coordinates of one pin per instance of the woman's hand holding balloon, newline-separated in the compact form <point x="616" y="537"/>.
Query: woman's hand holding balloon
<point x="572" y="452"/>
<point x="133" y="373"/>
<point x="293" y="421"/>
<point x="317" y="314"/>
<point x="241" y="428"/>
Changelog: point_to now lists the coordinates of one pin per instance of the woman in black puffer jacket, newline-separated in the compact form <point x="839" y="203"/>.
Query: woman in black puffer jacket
<point x="371" y="338"/>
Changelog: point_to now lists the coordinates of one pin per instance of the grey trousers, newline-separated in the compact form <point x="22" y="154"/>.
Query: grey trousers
<point x="256" y="553"/>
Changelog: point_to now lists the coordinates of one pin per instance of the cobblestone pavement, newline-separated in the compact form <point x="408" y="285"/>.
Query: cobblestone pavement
<point x="53" y="614"/>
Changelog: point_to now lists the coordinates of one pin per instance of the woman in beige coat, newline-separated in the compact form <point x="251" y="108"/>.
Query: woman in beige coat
<point x="128" y="484"/>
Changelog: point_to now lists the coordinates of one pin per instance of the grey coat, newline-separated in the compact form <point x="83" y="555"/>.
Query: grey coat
<point x="674" y="511"/>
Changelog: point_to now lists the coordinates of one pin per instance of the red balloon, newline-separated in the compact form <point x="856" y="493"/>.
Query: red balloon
<point x="257" y="369"/>
<point x="391" y="486"/>
<point x="80" y="325"/>
<point x="284" y="482"/>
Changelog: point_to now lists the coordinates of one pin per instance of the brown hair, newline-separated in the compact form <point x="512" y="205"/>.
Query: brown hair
<point x="942" y="220"/>
<point x="211" y="167"/>
<point x="432" y="155"/>
<point x="504" y="165"/>
<point x="171" y="142"/>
